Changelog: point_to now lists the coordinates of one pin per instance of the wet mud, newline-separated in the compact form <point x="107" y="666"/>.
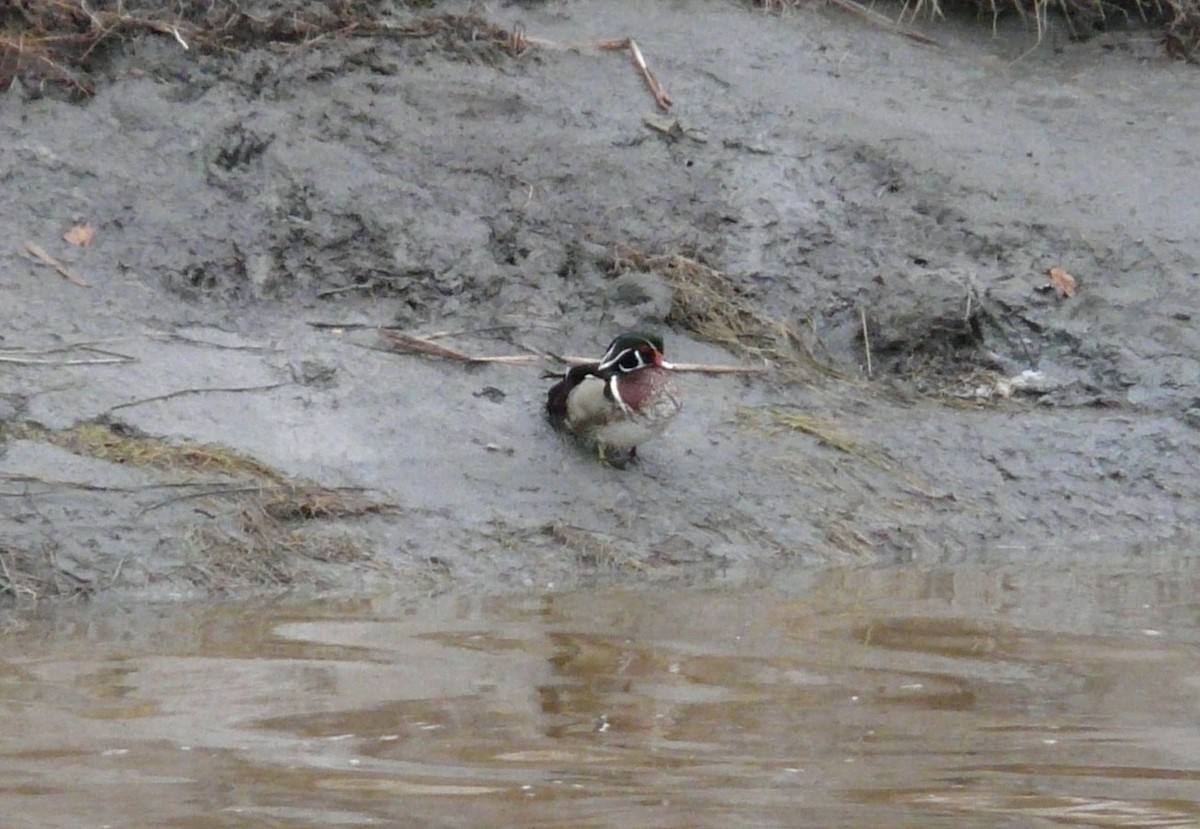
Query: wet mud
<point x="880" y="215"/>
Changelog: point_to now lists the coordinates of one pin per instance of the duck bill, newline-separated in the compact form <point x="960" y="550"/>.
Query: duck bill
<point x="665" y="364"/>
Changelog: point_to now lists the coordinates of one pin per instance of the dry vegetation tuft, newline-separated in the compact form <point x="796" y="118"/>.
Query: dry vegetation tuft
<point x="791" y="419"/>
<point x="594" y="549"/>
<point x="712" y="308"/>
<point x="263" y="529"/>
<point x="785" y="419"/>
<point x="269" y="546"/>
<point x="32" y="575"/>
<point x="1179" y="19"/>
<point x="117" y="443"/>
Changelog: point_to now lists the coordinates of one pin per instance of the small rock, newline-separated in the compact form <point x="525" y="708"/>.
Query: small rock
<point x="314" y="373"/>
<point x="1192" y="417"/>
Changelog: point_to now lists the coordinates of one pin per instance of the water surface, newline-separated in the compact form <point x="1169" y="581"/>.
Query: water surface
<point x="961" y="697"/>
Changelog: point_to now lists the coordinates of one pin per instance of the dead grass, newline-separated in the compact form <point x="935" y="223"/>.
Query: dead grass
<point x="60" y="41"/>
<point x="267" y="531"/>
<point x="270" y="544"/>
<point x="593" y="549"/>
<point x="783" y="419"/>
<point x="1179" y="19"/>
<point x="30" y="576"/>
<point x="117" y="443"/>
<point x="789" y="419"/>
<point x="712" y="308"/>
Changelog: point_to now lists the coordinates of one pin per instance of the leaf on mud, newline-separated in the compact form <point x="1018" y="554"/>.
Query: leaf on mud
<point x="1063" y="283"/>
<point x="82" y="234"/>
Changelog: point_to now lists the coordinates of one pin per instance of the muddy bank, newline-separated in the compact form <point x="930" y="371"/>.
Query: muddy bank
<point x="824" y="178"/>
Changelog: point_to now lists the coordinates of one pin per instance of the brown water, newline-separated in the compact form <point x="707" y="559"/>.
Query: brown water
<point x="1001" y="696"/>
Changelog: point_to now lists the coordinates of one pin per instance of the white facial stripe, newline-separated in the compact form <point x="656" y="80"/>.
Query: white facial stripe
<point x="616" y="394"/>
<point x="617" y="360"/>
<point x="629" y="359"/>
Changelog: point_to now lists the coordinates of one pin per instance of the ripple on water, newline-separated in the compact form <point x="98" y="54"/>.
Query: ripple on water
<point x="861" y="698"/>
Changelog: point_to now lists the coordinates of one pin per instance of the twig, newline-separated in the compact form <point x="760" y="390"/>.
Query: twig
<point x="616" y="44"/>
<point x="344" y="326"/>
<point x="10" y="585"/>
<point x="345" y="289"/>
<point x="35" y="250"/>
<point x="656" y="89"/>
<point x="400" y="341"/>
<point x="184" y="392"/>
<point x="866" y="341"/>
<point x="86" y="345"/>
<point x="409" y="344"/>
<point x="175" y="337"/>
<point x="437" y="335"/>
<point x="508" y="360"/>
<point x="50" y="482"/>
<point x="116" y="573"/>
<point x="191" y="496"/>
<point x="286" y="489"/>
<point x="685" y="368"/>
<point x="36" y="52"/>
<point x="99" y="361"/>
<point x="716" y="368"/>
<point x="23" y="356"/>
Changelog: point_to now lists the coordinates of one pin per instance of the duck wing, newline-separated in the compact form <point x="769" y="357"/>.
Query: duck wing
<point x="556" y="398"/>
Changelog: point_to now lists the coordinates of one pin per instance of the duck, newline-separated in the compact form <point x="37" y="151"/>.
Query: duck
<point x="620" y="401"/>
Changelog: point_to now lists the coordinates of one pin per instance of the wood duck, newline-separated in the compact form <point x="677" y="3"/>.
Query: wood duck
<point x="620" y="402"/>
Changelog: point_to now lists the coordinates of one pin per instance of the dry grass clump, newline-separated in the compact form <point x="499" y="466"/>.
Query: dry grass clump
<point x="30" y="576"/>
<point x="263" y="531"/>
<point x="1179" y="19"/>
<point x="270" y="546"/>
<point x="59" y="41"/>
<point x="790" y="419"/>
<point x="593" y="549"/>
<point x="712" y="308"/>
<point x="785" y="419"/>
<point x="117" y="443"/>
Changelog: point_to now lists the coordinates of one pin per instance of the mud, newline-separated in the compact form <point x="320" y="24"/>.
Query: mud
<point x="259" y="214"/>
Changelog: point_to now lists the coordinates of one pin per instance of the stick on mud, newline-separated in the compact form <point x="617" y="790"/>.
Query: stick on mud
<point x="35" y="250"/>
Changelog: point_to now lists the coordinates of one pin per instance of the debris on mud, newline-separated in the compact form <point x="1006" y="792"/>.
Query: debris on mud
<point x="1062" y="283"/>
<point x="273" y="544"/>
<point x="59" y="42"/>
<point x="35" y="575"/>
